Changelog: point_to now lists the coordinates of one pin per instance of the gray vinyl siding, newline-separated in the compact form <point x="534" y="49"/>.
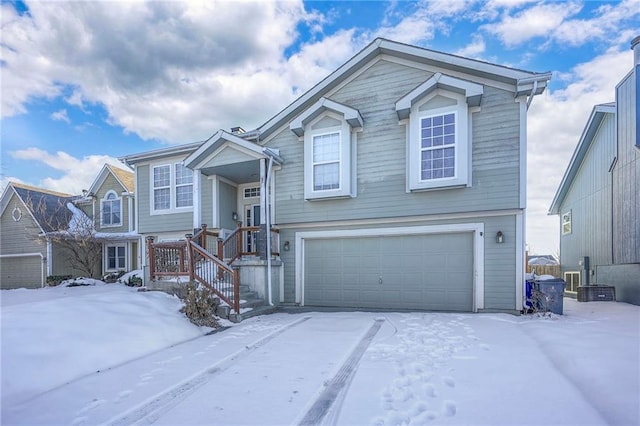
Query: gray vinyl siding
<point x="20" y="237"/>
<point x="589" y="200"/>
<point x="499" y="259"/>
<point x="149" y="223"/>
<point x="111" y="184"/>
<point x="206" y="201"/>
<point x="626" y="177"/>
<point x="380" y="165"/>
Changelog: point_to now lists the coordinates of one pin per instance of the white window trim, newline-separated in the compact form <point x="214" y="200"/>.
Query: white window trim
<point x="347" y="138"/>
<point x="564" y="222"/>
<point x="462" y="174"/>
<point x="118" y="199"/>
<point x="106" y="258"/>
<point x="567" y="281"/>
<point x="172" y="190"/>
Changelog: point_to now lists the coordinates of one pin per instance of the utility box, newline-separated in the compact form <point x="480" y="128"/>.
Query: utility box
<point x="597" y="293"/>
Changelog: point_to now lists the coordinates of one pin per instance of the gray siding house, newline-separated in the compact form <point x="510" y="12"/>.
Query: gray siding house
<point x="597" y="200"/>
<point x="396" y="182"/>
<point x="27" y="257"/>
<point x="110" y="203"/>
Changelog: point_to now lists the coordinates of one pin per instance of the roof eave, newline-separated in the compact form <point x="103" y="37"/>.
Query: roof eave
<point x="595" y="119"/>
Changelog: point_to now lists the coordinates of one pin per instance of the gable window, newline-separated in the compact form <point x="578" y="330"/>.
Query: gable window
<point x="172" y="188"/>
<point x="326" y="161"/>
<point x="116" y="257"/>
<point x="328" y="130"/>
<point x="566" y="223"/>
<point x="111" y="209"/>
<point x="438" y="114"/>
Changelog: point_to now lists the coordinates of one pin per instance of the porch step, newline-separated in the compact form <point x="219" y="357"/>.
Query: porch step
<point x="260" y="310"/>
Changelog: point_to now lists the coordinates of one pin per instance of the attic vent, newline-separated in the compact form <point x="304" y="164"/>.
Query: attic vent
<point x="237" y="130"/>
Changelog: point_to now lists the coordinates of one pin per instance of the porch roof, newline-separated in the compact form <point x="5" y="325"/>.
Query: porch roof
<point x="231" y="156"/>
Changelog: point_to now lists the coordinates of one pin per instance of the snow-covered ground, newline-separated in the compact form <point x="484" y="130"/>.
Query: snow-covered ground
<point x="108" y="354"/>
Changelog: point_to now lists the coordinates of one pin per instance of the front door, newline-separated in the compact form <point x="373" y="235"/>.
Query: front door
<point x="251" y="219"/>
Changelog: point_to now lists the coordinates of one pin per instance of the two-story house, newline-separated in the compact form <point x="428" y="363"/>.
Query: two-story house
<point x="598" y="197"/>
<point x="398" y="181"/>
<point x="46" y="233"/>
<point x="110" y="202"/>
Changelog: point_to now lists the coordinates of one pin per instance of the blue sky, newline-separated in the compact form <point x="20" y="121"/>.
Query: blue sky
<point x="86" y="82"/>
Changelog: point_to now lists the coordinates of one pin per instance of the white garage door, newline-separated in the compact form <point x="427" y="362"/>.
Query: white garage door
<point x="431" y="272"/>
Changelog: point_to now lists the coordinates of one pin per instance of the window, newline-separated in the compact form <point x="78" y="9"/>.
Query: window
<point x="566" y="223"/>
<point x="252" y="192"/>
<point x="573" y="281"/>
<point x="172" y="188"/>
<point x="111" y="209"/>
<point x="116" y="257"/>
<point x="326" y="161"/>
<point x="184" y="186"/>
<point x="438" y="114"/>
<point x="329" y="131"/>
<point x="437" y="146"/>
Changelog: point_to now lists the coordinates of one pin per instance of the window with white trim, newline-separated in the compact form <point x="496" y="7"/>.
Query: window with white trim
<point x="111" y="210"/>
<point x="326" y="161"/>
<point x="252" y="192"/>
<point x="573" y="281"/>
<point x="116" y="258"/>
<point x="566" y="223"/>
<point x="172" y="188"/>
<point x="439" y="142"/>
<point x="328" y="155"/>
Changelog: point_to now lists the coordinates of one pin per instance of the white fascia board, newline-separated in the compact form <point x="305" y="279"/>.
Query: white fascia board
<point x="24" y="204"/>
<point x="472" y="91"/>
<point x="351" y="115"/>
<point x="590" y="130"/>
<point x="160" y="153"/>
<point x="202" y="154"/>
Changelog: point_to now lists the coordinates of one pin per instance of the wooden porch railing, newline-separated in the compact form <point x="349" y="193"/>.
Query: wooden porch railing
<point x="213" y="273"/>
<point x="206" y="258"/>
<point x="243" y="241"/>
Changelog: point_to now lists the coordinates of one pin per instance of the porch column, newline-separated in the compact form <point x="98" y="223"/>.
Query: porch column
<point x="197" y="201"/>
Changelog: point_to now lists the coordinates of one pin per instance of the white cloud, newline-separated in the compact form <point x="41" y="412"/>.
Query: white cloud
<point x="475" y="49"/>
<point x="537" y="21"/>
<point x="77" y="173"/>
<point x="161" y="69"/>
<point x="556" y="121"/>
<point x="61" y="115"/>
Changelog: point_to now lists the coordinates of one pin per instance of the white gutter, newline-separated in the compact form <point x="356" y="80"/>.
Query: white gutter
<point x="42" y="261"/>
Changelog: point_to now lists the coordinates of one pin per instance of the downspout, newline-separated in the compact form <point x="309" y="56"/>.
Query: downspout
<point x="268" y="226"/>
<point x="533" y="93"/>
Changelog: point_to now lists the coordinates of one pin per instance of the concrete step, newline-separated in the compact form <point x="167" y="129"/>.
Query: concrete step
<point x="260" y="310"/>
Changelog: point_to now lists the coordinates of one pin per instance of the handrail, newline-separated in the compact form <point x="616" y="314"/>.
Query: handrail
<point x="214" y="274"/>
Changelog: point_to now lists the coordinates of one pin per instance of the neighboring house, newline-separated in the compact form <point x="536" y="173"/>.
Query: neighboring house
<point x="110" y="201"/>
<point x="598" y="197"/>
<point x="27" y="257"/>
<point x="542" y="260"/>
<point x="396" y="182"/>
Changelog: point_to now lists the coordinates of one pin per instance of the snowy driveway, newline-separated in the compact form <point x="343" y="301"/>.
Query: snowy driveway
<point x="370" y="368"/>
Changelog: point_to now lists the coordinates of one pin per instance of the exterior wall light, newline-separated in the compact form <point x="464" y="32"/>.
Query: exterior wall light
<point x="286" y="246"/>
<point x="234" y="216"/>
<point x="499" y="237"/>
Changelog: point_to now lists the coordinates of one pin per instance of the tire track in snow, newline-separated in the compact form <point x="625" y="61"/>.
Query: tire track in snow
<point x="339" y="382"/>
<point x="149" y="411"/>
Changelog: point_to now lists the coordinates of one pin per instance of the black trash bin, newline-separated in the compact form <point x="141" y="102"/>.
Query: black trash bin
<point x="551" y="294"/>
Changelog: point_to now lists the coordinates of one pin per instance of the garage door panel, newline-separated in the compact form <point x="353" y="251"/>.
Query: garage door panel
<point x="432" y="272"/>
<point x="21" y="272"/>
